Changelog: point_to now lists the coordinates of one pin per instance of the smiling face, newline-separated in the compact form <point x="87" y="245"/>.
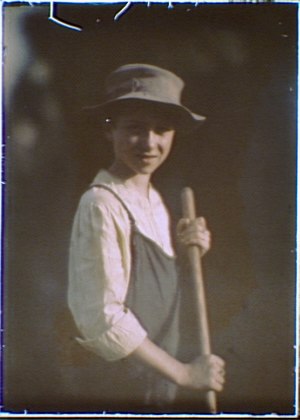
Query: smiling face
<point x="142" y="141"/>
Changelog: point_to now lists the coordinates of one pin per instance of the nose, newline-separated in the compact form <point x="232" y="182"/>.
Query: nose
<point x="150" y="139"/>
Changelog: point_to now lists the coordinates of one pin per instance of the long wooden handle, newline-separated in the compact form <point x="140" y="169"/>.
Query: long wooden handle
<point x="189" y="212"/>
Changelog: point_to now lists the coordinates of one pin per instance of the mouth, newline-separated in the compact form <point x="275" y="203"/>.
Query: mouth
<point x="146" y="157"/>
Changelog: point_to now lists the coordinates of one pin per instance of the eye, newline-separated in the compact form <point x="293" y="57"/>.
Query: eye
<point x="132" y="128"/>
<point x="161" y="129"/>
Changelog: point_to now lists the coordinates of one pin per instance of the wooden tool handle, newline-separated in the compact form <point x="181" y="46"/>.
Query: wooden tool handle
<point x="189" y="212"/>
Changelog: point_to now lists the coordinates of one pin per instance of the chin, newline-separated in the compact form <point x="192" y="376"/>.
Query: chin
<point x="144" y="170"/>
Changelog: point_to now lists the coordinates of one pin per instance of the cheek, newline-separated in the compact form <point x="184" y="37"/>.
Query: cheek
<point x="123" y="145"/>
<point x="168" y="145"/>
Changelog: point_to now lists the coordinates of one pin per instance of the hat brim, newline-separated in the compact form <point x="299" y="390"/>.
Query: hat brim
<point x="185" y="115"/>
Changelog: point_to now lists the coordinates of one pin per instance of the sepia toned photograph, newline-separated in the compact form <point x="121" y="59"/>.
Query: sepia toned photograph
<point x="149" y="209"/>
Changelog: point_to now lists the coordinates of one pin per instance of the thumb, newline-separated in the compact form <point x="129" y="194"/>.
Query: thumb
<point x="182" y="224"/>
<point x="202" y="222"/>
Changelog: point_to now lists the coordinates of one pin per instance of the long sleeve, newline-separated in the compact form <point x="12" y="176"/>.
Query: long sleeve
<point x="99" y="271"/>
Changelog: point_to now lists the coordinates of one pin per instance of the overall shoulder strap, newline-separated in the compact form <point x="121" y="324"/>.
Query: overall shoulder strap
<point x="105" y="187"/>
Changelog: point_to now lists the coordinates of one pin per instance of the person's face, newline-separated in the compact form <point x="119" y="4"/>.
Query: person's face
<point x="142" y="141"/>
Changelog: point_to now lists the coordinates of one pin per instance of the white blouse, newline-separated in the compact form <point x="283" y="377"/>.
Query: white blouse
<point x="100" y="263"/>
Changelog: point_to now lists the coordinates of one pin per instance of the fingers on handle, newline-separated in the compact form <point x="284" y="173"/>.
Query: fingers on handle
<point x="216" y="360"/>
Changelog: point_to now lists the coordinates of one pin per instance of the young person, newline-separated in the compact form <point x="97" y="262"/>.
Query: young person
<point x="124" y="288"/>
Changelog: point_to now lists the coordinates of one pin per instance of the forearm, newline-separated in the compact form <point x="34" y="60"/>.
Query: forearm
<point x="204" y="373"/>
<point x="158" y="359"/>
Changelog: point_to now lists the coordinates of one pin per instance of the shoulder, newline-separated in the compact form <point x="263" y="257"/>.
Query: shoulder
<point x="100" y="198"/>
<point x="95" y="196"/>
<point x="99" y="209"/>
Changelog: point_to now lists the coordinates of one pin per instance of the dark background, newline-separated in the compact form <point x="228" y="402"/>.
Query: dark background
<point x="239" y="64"/>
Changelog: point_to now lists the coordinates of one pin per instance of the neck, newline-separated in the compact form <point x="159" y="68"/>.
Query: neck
<point x="138" y="181"/>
